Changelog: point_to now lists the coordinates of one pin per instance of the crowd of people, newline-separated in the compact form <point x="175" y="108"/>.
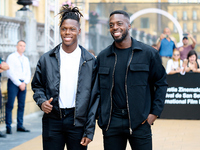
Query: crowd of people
<point x="182" y="59"/>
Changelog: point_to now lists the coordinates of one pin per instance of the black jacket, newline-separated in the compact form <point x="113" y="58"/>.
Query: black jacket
<point x="145" y="84"/>
<point x="46" y="82"/>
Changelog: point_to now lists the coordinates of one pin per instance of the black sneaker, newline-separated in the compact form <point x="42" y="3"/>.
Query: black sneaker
<point x="2" y="135"/>
<point x="8" y="131"/>
<point x="22" y="129"/>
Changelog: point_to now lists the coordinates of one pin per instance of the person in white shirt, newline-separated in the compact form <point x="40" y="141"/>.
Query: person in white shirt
<point x="19" y="76"/>
<point x="175" y="65"/>
<point x="63" y="88"/>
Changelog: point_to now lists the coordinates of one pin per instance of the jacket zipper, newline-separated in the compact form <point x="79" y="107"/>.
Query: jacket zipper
<point x="127" y="94"/>
<point x="112" y="90"/>
<point x="77" y="89"/>
<point x="59" y="89"/>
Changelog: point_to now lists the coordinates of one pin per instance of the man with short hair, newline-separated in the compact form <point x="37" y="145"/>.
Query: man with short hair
<point x="184" y="50"/>
<point x="132" y="87"/>
<point x="19" y="76"/>
<point x="165" y="46"/>
<point x="3" y="67"/>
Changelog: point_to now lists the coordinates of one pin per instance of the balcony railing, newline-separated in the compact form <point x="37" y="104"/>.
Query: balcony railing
<point x="3" y="108"/>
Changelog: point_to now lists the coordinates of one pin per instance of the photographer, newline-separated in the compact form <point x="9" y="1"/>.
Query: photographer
<point x="186" y="48"/>
<point x="165" y="46"/>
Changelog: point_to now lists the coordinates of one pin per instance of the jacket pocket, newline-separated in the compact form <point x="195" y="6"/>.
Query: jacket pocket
<point x="104" y="70"/>
<point x="139" y="67"/>
<point x="139" y="74"/>
<point x="104" y="77"/>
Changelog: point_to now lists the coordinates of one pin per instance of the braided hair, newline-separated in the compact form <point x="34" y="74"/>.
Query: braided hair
<point x="69" y="13"/>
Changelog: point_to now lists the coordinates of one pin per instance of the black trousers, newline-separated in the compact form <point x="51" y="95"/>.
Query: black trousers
<point x="115" y="138"/>
<point x="58" y="133"/>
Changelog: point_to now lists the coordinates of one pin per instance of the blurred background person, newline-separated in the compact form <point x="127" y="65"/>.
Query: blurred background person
<point x="3" y="66"/>
<point x="192" y="62"/>
<point x="154" y="46"/>
<point x="186" y="47"/>
<point x="175" y="65"/>
<point x="92" y="52"/>
<point x="19" y="76"/>
<point x="165" y="46"/>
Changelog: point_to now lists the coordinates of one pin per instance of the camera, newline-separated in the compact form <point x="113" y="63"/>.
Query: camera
<point x="185" y="34"/>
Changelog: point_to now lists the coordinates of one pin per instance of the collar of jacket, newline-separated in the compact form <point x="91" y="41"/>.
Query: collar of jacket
<point x="135" y="46"/>
<point x="84" y="55"/>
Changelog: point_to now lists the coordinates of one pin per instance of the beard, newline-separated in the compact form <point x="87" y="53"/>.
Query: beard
<point x="122" y="38"/>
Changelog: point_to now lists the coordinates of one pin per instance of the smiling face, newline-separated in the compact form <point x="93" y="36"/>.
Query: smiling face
<point x="176" y="55"/>
<point x="192" y="58"/>
<point x="119" y="26"/>
<point x="69" y="31"/>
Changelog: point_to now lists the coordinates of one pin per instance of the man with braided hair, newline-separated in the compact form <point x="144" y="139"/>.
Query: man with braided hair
<point x="63" y="88"/>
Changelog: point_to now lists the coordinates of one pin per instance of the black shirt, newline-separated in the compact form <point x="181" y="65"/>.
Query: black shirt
<point x="119" y="94"/>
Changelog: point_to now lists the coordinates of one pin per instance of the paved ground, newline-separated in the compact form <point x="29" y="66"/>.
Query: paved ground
<point x="167" y="135"/>
<point x="31" y="122"/>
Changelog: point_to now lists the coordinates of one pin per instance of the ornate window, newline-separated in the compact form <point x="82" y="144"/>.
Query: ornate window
<point x="144" y="22"/>
<point x="194" y="15"/>
<point x="184" y="27"/>
<point x="175" y="14"/>
<point x="184" y="15"/>
<point x="194" y="27"/>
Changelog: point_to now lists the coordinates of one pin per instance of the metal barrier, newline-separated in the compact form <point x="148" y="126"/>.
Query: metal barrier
<point x="3" y="108"/>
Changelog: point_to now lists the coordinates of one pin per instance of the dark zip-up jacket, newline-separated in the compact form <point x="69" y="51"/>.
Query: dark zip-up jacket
<point x="46" y="83"/>
<point x="145" y="84"/>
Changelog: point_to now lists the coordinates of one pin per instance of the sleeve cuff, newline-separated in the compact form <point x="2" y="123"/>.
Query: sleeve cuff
<point x="90" y="136"/>
<point x="18" y="83"/>
<point x="39" y="102"/>
<point x="26" y="82"/>
<point x="156" y="113"/>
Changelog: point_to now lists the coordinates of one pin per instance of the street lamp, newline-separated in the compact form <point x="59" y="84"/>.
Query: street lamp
<point x="24" y="3"/>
